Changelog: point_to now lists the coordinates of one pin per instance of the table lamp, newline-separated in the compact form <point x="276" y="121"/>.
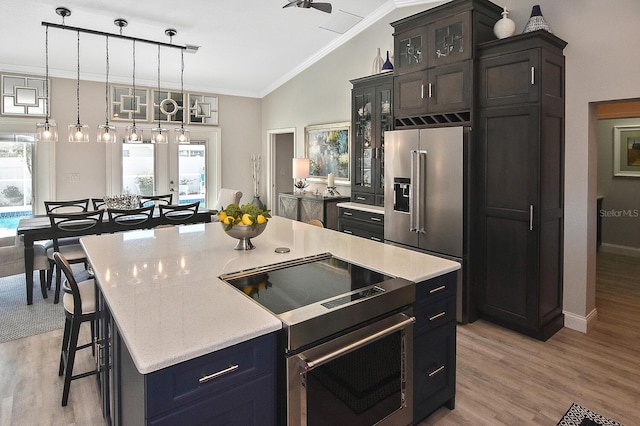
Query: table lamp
<point x="300" y="168"/>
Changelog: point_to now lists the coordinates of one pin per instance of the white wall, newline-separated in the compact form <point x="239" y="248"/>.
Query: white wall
<point x="601" y="65"/>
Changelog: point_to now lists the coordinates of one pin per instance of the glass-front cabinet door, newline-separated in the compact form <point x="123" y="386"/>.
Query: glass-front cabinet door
<point x="372" y="108"/>
<point x="449" y="40"/>
<point x="409" y="50"/>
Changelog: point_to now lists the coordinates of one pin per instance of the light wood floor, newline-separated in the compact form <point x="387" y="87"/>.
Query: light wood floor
<point x="503" y="378"/>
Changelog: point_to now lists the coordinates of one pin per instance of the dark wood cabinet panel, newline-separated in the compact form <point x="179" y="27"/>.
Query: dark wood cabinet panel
<point x="362" y="223"/>
<point x="434" y="360"/>
<point x="518" y="247"/>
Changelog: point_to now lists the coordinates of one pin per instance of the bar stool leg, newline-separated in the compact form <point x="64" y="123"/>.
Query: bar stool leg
<point x="65" y="345"/>
<point x="71" y="356"/>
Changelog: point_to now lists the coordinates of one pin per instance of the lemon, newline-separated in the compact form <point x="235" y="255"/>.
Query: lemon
<point x="261" y="219"/>
<point x="246" y="219"/>
<point x="222" y="216"/>
<point x="228" y="220"/>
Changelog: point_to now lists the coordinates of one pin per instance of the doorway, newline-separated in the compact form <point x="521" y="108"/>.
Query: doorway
<point x="281" y="149"/>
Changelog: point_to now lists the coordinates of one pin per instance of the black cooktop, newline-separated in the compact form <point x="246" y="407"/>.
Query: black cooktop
<point x="290" y="285"/>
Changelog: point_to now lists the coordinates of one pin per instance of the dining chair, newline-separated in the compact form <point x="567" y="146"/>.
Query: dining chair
<point x="127" y="219"/>
<point x="68" y="206"/>
<point x="156" y="200"/>
<point x="99" y="203"/>
<point x="64" y="206"/>
<point x="62" y="225"/>
<point x="12" y="260"/>
<point x="316" y="222"/>
<point x="174" y="214"/>
<point x="79" y="303"/>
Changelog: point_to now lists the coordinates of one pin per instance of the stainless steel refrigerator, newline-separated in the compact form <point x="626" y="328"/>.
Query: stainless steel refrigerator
<point x="424" y="195"/>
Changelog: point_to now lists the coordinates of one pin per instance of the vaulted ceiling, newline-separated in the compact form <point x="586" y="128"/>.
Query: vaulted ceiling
<point x="246" y="48"/>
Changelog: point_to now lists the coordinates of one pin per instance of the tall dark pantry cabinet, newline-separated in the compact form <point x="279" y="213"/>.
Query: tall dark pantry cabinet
<point x="520" y="181"/>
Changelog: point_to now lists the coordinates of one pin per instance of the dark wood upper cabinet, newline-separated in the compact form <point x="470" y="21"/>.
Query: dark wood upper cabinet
<point x="434" y="51"/>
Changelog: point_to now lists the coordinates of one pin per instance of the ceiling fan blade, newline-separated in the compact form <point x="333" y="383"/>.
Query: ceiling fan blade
<point x="292" y="3"/>
<point x="325" y="7"/>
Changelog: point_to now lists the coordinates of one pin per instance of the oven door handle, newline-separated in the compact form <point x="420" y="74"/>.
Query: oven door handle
<point x="309" y="365"/>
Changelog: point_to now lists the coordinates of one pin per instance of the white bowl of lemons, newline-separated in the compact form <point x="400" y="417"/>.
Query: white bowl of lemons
<point x="243" y="223"/>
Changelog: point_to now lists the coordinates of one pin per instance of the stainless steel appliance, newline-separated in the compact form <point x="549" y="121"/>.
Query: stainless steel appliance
<point x="347" y="340"/>
<point x="424" y="207"/>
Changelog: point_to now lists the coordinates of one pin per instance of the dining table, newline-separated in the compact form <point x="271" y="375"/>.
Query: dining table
<point x="38" y="228"/>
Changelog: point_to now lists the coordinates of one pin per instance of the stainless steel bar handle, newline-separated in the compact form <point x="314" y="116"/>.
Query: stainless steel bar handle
<point x="435" y="317"/>
<point x="437" y="289"/>
<point x="375" y="239"/>
<point x="422" y="91"/>
<point x="421" y="191"/>
<point x="375" y="219"/>
<point x="413" y="226"/>
<point x="346" y="231"/>
<point x="436" y="371"/>
<point x="533" y="76"/>
<point x="309" y="365"/>
<point x="210" y="377"/>
<point x="430" y="90"/>
<point x="348" y="213"/>
<point x="531" y="217"/>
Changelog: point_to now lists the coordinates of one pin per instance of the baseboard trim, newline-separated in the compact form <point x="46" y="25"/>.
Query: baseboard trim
<point x="580" y="323"/>
<point x="618" y="249"/>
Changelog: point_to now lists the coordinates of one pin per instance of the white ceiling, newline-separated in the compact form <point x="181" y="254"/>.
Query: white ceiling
<point x="247" y="48"/>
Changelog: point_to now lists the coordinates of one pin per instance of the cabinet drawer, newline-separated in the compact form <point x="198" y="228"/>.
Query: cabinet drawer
<point x="252" y="403"/>
<point x="437" y="288"/>
<point x="185" y="382"/>
<point x="433" y="314"/>
<point x="372" y="218"/>
<point x="362" y="229"/>
<point x="434" y="370"/>
<point x="364" y="198"/>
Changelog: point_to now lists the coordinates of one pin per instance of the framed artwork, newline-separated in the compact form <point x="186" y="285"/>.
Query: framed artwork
<point x="626" y="151"/>
<point x="327" y="148"/>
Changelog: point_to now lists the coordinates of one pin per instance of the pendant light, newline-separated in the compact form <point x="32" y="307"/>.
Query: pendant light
<point x="47" y="131"/>
<point x="78" y="132"/>
<point x="106" y="132"/>
<point x="182" y="135"/>
<point x="159" y="134"/>
<point x="134" y="134"/>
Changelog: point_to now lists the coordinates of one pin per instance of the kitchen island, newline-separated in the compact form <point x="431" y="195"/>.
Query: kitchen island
<point x="167" y="307"/>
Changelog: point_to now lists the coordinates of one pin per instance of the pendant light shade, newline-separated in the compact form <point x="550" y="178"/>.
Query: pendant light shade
<point x="78" y="132"/>
<point x="106" y="132"/>
<point x="134" y="134"/>
<point x="182" y="134"/>
<point x="47" y="131"/>
<point x="159" y="134"/>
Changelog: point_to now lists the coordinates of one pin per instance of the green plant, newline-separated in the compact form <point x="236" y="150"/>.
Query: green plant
<point x="145" y="184"/>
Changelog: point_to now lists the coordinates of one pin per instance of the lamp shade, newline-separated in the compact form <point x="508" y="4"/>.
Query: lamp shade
<point x="300" y="168"/>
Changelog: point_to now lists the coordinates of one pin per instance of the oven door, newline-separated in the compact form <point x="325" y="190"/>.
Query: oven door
<point x="360" y="378"/>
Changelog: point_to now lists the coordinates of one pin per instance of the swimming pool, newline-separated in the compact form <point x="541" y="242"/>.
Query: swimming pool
<point x="9" y="222"/>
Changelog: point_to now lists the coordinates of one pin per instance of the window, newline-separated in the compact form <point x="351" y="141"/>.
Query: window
<point x="192" y="172"/>
<point x="138" y="171"/>
<point x="16" y="181"/>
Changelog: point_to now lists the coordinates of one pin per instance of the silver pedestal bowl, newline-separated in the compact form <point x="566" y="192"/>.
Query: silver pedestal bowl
<point x="244" y="233"/>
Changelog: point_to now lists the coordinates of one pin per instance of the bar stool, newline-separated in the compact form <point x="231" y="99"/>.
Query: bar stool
<point x="79" y="303"/>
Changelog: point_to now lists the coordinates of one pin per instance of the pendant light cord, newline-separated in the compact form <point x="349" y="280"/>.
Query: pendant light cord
<point x="46" y="79"/>
<point x="134" y="84"/>
<point x="158" y="93"/>
<point x="78" y="81"/>
<point x="106" y="88"/>
<point x="182" y="86"/>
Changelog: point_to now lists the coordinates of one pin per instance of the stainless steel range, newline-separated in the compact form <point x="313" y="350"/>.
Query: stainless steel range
<point x="347" y="339"/>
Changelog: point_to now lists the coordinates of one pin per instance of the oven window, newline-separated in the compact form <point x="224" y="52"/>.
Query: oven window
<point x="359" y="388"/>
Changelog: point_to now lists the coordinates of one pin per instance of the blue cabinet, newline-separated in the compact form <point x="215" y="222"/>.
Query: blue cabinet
<point x="233" y="386"/>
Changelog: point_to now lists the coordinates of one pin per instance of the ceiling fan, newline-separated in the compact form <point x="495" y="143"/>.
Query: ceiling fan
<point x="325" y="7"/>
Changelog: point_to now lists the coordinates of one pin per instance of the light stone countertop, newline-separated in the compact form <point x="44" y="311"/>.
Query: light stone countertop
<point x="363" y="207"/>
<point x="163" y="290"/>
